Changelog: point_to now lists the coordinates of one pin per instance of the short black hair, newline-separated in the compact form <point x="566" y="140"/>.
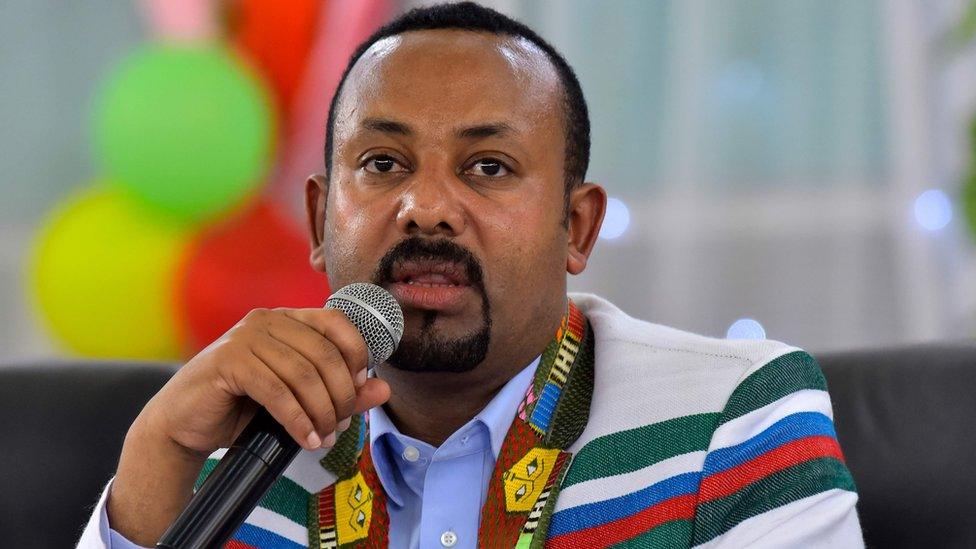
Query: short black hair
<point x="472" y="17"/>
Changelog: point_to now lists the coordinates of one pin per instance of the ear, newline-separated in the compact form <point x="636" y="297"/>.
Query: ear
<point x="587" y="204"/>
<point x="316" y="199"/>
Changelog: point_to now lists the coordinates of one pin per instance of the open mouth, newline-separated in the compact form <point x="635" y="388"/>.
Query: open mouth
<point x="432" y="275"/>
<point x="430" y="284"/>
<point x="429" y="273"/>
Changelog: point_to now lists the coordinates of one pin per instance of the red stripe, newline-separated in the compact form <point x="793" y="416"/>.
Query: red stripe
<point x="575" y="321"/>
<point x="678" y="507"/>
<point x="327" y="507"/>
<point x="731" y="480"/>
<point x="234" y="544"/>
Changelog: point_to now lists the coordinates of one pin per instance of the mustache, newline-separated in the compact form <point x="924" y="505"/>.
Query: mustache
<point x="442" y="249"/>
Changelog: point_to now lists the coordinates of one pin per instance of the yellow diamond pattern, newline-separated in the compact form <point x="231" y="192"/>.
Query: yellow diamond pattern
<point x="354" y="508"/>
<point x="525" y="480"/>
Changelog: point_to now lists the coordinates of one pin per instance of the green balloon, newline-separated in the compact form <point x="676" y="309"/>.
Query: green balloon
<point x="187" y="129"/>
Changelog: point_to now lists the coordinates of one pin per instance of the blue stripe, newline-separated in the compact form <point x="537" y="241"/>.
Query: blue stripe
<point x="544" y="406"/>
<point x="263" y="539"/>
<point x="788" y="429"/>
<point x="361" y="441"/>
<point x="602" y="512"/>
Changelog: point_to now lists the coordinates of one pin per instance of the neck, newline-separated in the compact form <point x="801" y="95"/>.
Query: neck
<point x="432" y="406"/>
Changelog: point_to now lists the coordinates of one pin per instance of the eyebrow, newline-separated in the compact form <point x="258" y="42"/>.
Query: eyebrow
<point x="481" y="131"/>
<point x="386" y="125"/>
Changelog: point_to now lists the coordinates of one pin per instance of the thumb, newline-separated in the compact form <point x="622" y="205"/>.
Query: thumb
<point x="375" y="392"/>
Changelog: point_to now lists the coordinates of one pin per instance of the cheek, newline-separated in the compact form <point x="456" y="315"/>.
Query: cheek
<point x="351" y="232"/>
<point x="530" y="248"/>
<point x="345" y="219"/>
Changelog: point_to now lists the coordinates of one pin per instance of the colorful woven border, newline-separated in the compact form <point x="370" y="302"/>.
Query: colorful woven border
<point x="352" y="513"/>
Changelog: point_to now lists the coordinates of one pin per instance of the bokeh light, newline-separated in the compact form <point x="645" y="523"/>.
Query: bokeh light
<point x="933" y="210"/>
<point x="746" y="328"/>
<point x="740" y="82"/>
<point x="616" y="220"/>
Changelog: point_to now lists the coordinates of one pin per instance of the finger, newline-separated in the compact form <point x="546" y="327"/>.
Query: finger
<point x="302" y="378"/>
<point x="265" y="387"/>
<point x="375" y="392"/>
<point x="325" y="356"/>
<point x="336" y="327"/>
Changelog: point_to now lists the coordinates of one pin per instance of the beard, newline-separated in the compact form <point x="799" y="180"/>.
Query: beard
<point x="430" y="350"/>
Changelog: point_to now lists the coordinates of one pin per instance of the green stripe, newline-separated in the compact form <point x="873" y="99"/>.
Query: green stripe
<point x="675" y="533"/>
<point x="208" y="468"/>
<point x="791" y="484"/>
<point x="312" y="508"/>
<point x="634" y="449"/>
<point x="285" y="496"/>
<point x="343" y="459"/>
<point x="784" y="375"/>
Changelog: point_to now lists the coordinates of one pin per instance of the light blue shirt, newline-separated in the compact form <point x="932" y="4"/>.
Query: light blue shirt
<point x="435" y="495"/>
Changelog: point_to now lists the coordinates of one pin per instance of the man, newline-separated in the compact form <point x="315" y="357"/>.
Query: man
<point x="510" y="415"/>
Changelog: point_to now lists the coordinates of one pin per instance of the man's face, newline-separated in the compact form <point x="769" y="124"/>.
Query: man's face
<point x="447" y="189"/>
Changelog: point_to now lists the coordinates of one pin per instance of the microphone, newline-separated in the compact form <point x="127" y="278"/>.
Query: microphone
<point x="264" y="449"/>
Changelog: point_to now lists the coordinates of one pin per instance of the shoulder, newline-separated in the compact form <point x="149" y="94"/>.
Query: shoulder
<point x="647" y="373"/>
<point x="625" y="336"/>
<point x="681" y="416"/>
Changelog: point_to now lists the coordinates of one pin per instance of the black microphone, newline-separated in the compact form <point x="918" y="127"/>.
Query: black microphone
<point x="264" y="449"/>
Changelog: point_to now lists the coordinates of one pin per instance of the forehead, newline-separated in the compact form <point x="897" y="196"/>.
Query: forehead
<point x="451" y="77"/>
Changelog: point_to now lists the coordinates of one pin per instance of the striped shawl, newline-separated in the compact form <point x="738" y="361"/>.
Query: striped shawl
<point x="691" y="442"/>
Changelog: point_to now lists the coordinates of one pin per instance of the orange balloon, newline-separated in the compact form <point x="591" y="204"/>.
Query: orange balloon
<point x="276" y="36"/>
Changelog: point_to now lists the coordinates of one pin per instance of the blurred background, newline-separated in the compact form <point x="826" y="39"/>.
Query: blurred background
<point x="794" y="169"/>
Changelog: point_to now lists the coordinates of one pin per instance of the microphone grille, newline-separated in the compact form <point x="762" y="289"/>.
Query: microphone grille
<point x="375" y="313"/>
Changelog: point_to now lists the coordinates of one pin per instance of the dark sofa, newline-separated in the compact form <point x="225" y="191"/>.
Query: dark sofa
<point x="905" y="418"/>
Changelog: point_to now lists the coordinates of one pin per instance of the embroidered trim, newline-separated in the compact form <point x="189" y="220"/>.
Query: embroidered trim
<point x="352" y="512"/>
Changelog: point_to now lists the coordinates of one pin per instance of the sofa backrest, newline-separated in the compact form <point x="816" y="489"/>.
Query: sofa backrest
<point x="904" y="416"/>
<point x="62" y="425"/>
<point x="906" y="421"/>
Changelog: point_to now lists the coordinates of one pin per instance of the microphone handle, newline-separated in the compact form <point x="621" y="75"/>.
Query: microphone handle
<point x="243" y="476"/>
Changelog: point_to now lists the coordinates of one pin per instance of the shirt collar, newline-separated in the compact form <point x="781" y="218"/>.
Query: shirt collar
<point x="497" y="417"/>
<point x="385" y="464"/>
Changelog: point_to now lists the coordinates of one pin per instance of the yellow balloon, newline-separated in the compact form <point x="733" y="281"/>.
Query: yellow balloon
<point x="103" y="275"/>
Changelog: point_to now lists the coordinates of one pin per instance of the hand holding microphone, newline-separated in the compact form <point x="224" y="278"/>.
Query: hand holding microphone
<point x="306" y="367"/>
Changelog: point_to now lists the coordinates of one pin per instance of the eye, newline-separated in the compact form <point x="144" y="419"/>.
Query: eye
<point x="489" y="167"/>
<point x="382" y="164"/>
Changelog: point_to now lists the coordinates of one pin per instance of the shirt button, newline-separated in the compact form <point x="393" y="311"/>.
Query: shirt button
<point x="411" y="454"/>
<point x="448" y="539"/>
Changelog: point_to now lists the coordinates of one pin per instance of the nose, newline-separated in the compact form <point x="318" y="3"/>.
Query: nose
<point x="430" y="206"/>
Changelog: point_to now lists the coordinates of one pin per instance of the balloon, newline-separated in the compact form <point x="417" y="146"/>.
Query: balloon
<point x="252" y="260"/>
<point x="276" y="37"/>
<point x="342" y="25"/>
<point x="103" y="275"/>
<point x="184" y="128"/>
<point x="181" y="19"/>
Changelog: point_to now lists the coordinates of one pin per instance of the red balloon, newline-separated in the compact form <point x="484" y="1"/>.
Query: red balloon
<point x="255" y="259"/>
<point x="276" y="36"/>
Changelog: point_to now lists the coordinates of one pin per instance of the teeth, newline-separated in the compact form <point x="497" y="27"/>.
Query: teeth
<point x="429" y="285"/>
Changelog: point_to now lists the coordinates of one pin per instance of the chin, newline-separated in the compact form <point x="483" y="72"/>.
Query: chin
<point x="430" y="348"/>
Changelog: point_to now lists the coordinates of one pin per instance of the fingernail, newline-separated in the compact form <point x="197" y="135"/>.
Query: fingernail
<point x="313" y="440"/>
<point x="361" y="377"/>
<point x="329" y="441"/>
<point x="343" y="425"/>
